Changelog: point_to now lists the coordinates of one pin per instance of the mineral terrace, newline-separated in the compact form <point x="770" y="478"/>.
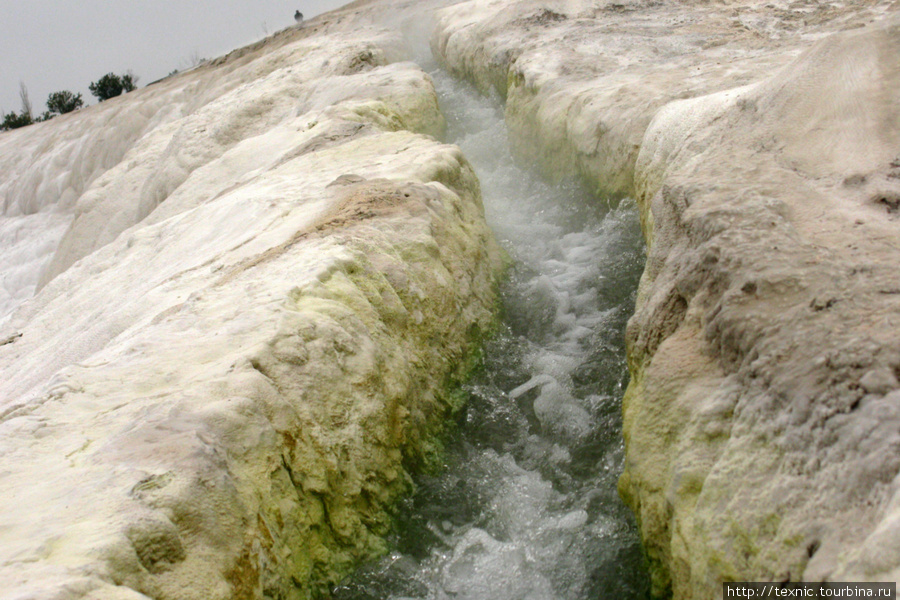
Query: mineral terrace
<point x="235" y="303"/>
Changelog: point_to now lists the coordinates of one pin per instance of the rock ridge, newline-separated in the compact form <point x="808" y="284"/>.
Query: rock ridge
<point x="762" y="142"/>
<point x="249" y="328"/>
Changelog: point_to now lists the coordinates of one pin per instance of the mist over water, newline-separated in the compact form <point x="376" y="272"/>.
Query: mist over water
<point x="527" y="507"/>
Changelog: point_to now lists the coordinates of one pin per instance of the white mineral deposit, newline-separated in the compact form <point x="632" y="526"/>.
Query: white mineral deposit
<point x="343" y="312"/>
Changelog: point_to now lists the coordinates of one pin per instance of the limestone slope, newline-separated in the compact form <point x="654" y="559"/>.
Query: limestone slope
<point x="762" y="417"/>
<point x="764" y="150"/>
<point x="583" y="78"/>
<point x="251" y="311"/>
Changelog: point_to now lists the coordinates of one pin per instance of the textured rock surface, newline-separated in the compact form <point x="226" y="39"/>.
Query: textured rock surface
<point x="762" y="419"/>
<point x="260" y="280"/>
<point x="765" y="349"/>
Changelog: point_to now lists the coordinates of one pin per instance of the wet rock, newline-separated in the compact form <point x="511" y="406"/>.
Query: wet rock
<point x="759" y="140"/>
<point x="225" y="377"/>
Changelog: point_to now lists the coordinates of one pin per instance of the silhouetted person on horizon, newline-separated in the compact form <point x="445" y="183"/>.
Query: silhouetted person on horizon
<point x="298" y="16"/>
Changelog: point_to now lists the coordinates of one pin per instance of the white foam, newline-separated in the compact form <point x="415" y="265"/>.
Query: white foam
<point x="531" y="540"/>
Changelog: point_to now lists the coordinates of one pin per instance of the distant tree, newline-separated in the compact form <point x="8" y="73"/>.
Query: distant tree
<point x="112" y="85"/>
<point x="192" y="60"/>
<point x="63" y="102"/>
<point x="108" y="86"/>
<point x="129" y="82"/>
<point x="26" y="103"/>
<point x="13" y="121"/>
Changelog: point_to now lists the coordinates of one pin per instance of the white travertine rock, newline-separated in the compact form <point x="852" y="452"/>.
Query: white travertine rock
<point x="267" y="283"/>
<point x="257" y="280"/>
<point x="761" y="421"/>
<point x="764" y="149"/>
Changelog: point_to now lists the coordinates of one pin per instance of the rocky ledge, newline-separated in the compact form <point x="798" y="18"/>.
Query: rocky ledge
<point x="762" y="142"/>
<point x="258" y="284"/>
<point x="234" y="303"/>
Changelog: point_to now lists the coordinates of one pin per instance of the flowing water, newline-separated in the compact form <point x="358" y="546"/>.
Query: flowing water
<point x="527" y="507"/>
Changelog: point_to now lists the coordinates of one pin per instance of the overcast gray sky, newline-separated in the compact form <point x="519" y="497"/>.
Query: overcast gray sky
<point x="53" y="45"/>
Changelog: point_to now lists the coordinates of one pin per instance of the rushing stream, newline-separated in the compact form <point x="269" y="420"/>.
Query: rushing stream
<point x="527" y="507"/>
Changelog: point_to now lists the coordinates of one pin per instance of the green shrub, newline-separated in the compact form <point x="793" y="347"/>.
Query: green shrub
<point x="112" y="85"/>
<point x="63" y="102"/>
<point x="14" y="121"/>
<point x="129" y="82"/>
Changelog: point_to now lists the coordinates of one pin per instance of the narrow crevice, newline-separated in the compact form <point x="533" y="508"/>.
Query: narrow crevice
<point x="527" y="505"/>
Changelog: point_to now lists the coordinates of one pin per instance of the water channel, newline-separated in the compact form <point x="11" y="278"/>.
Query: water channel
<point x="527" y="507"/>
